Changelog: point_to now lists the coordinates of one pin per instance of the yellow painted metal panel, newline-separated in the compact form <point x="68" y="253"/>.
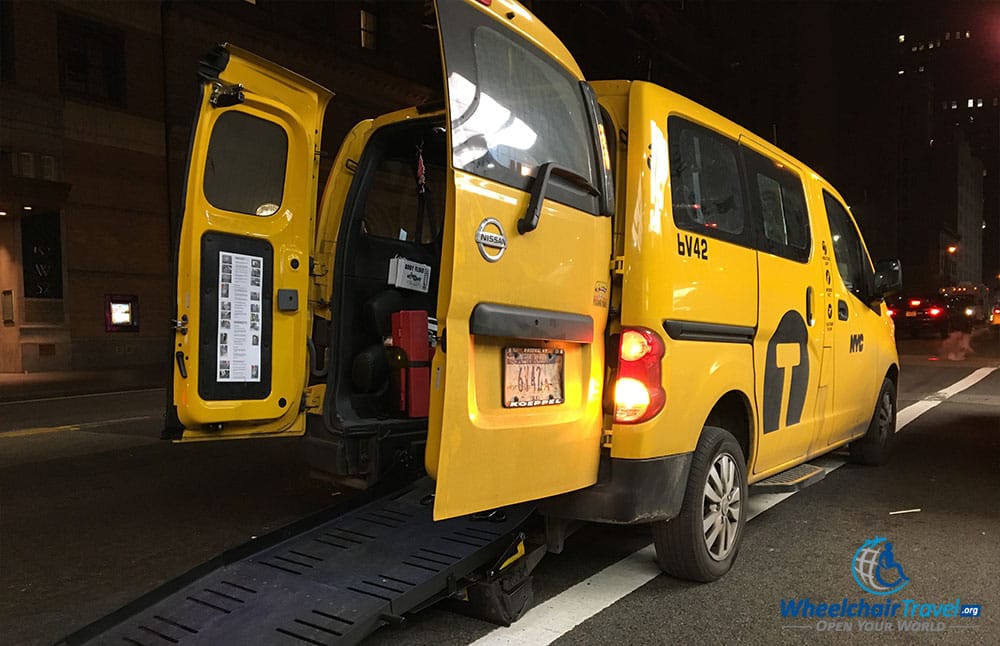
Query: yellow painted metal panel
<point x="482" y="454"/>
<point x="296" y="106"/>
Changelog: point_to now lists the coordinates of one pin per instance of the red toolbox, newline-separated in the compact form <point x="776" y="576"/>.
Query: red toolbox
<point x="410" y="337"/>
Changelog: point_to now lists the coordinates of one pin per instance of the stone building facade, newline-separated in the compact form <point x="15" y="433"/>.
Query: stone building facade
<point x="97" y="101"/>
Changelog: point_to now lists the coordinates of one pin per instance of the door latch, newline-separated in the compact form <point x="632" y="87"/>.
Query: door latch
<point x="180" y="326"/>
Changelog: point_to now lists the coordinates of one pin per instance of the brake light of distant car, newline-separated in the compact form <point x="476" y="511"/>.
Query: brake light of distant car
<point x="934" y="311"/>
<point x="914" y="303"/>
<point x="639" y="393"/>
<point x="891" y="311"/>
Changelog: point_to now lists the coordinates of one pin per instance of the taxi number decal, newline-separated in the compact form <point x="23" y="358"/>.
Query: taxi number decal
<point x="694" y="246"/>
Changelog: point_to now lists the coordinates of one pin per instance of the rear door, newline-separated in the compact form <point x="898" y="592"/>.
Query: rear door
<point x="516" y="385"/>
<point x="243" y="257"/>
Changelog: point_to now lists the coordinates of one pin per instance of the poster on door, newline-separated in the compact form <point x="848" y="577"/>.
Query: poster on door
<point x="240" y="313"/>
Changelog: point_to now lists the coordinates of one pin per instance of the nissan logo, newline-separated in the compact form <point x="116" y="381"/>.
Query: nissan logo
<point x="491" y="240"/>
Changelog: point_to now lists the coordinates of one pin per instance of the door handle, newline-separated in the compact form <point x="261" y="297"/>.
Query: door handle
<point x="842" y="312"/>
<point x="809" y="306"/>
<point x="181" y="365"/>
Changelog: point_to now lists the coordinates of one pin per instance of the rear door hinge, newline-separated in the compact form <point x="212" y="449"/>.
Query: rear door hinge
<point x="316" y="268"/>
<point x="618" y="265"/>
<point x="315" y="396"/>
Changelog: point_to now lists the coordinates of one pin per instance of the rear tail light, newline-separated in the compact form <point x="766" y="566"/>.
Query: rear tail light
<point x="638" y="391"/>
<point x="934" y="311"/>
<point x="914" y="303"/>
<point x="891" y="312"/>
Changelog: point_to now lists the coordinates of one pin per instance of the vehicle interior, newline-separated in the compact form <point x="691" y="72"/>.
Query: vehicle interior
<point x="394" y="213"/>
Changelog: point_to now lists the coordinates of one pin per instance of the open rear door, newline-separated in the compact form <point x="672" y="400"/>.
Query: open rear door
<point x="243" y="262"/>
<point x="516" y="384"/>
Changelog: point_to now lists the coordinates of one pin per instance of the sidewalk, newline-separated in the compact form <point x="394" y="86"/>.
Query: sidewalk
<point x="38" y="385"/>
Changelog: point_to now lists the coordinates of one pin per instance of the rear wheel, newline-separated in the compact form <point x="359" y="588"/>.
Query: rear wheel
<point x="875" y="447"/>
<point x="701" y="543"/>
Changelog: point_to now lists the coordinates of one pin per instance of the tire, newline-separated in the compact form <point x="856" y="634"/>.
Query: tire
<point x="875" y="446"/>
<point x="684" y="548"/>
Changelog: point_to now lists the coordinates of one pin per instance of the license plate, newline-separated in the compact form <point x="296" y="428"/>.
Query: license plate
<point x="911" y="313"/>
<point x="532" y="377"/>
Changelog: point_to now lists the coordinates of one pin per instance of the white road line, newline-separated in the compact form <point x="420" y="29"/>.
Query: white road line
<point x="968" y="382"/>
<point x="61" y="397"/>
<point x="83" y="426"/>
<point x="551" y="620"/>
<point x="915" y="410"/>
<point x="547" y="622"/>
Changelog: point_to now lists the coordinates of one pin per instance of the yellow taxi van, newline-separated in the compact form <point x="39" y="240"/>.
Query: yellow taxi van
<point x="600" y="296"/>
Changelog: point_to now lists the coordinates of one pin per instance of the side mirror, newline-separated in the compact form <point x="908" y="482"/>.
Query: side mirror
<point x="888" y="277"/>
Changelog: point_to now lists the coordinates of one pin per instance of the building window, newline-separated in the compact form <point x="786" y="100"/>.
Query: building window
<point x="25" y="165"/>
<point x="970" y="103"/>
<point x="369" y="27"/>
<point x="979" y="103"/>
<point x="91" y="61"/>
<point x="902" y="38"/>
<point x="954" y="105"/>
<point x="6" y="42"/>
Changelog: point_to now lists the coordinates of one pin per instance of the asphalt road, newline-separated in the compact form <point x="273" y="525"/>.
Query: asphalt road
<point x="95" y="510"/>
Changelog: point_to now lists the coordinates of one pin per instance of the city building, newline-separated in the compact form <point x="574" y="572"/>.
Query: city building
<point x="96" y="107"/>
<point x="948" y="80"/>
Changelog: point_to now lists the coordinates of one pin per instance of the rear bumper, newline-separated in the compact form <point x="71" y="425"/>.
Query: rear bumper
<point x="918" y="326"/>
<point x="627" y="492"/>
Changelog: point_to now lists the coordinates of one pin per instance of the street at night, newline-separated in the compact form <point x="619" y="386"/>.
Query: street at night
<point x="96" y="513"/>
<point x="499" y="322"/>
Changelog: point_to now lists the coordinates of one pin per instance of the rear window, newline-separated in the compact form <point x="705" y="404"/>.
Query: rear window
<point x="514" y="108"/>
<point x="245" y="166"/>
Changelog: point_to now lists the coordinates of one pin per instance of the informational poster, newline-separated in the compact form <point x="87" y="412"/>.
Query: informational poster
<point x="240" y="280"/>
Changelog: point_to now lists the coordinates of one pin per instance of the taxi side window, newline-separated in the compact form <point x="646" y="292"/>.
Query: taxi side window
<point x="852" y="262"/>
<point x="706" y="192"/>
<point x="393" y="207"/>
<point x="779" y="204"/>
<point x="245" y="165"/>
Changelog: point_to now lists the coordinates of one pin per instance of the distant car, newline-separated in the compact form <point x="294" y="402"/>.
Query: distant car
<point x="972" y="306"/>
<point x="919" y="314"/>
<point x="995" y="315"/>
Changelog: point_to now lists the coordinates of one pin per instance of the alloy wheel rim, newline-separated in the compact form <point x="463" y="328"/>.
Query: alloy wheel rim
<point x="723" y="506"/>
<point x="885" y="417"/>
